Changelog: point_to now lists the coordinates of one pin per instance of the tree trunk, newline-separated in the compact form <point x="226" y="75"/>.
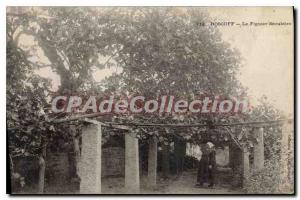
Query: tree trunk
<point x="77" y="155"/>
<point x="42" y="165"/>
<point x="42" y="168"/>
<point x="74" y="157"/>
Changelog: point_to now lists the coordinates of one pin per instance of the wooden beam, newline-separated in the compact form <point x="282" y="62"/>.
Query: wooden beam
<point x="108" y="124"/>
<point x="251" y="123"/>
<point x="73" y="118"/>
<point x="92" y="121"/>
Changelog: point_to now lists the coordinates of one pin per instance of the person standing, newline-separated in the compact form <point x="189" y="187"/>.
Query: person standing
<point x="207" y="166"/>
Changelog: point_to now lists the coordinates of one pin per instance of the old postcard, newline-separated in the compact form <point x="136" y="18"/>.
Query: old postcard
<point x="150" y="100"/>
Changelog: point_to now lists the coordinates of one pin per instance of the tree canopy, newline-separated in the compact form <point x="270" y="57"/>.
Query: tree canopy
<point x="160" y="51"/>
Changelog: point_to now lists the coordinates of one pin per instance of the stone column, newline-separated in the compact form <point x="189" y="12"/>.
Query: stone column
<point x="236" y="162"/>
<point x="152" y="162"/>
<point x="258" y="162"/>
<point x="246" y="165"/>
<point x="132" y="176"/>
<point x="90" y="161"/>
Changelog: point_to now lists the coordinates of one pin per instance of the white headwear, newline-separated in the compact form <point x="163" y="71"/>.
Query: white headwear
<point x="210" y="145"/>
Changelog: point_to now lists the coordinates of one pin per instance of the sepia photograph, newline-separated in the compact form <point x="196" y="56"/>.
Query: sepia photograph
<point x="150" y="100"/>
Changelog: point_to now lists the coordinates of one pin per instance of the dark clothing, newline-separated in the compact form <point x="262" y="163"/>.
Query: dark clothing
<point x="207" y="168"/>
<point x="179" y="151"/>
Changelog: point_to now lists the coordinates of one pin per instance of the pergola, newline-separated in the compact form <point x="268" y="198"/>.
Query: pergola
<point x="90" y="160"/>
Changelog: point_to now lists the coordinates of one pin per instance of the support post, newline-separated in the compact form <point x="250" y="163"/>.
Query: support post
<point x="90" y="161"/>
<point x="166" y="160"/>
<point x="236" y="157"/>
<point x="152" y="162"/>
<point x="258" y="163"/>
<point x="231" y="156"/>
<point x="246" y="165"/>
<point x="42" y="168"/>
<point x="132" y="175"/>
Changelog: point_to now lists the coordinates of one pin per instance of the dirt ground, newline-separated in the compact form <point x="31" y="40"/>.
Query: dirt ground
<point x="181" y="184"/>
<point x="175" y="184"/>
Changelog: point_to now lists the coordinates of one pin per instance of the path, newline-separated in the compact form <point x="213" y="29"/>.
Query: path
<point x="185" y="184"/>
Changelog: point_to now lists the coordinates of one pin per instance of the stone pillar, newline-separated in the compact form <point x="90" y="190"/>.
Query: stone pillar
<point x="152" y="162"/>
<point x="132" y="176"/>
<point x="258" y="162"/>
<point x="246" y="165"/>
<point x="236" y="163"/>
<point x="90" y="161"/>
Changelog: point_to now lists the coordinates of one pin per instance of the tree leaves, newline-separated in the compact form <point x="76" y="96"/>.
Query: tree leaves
<point x="26" y="104"/>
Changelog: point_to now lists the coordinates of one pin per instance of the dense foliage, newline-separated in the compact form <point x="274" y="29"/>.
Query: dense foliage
<point x="268" y="180"/>
<point x="162" y="51"/>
